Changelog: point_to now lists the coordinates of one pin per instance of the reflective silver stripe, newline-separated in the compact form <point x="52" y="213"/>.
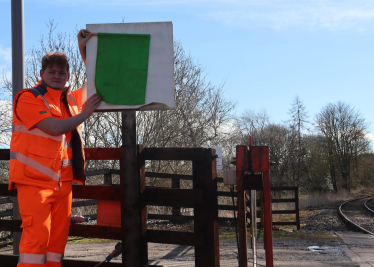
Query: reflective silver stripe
<point x="32" y="258"/>
<point x="71" y="111"/>
<point x="54" y="257"/>
<point x="64" y="139"/>
<point x="68" y="144"/>
<point x="67" y="162"/>
<point x="37" y="132"/>
<point x="35" y="165"/>
<point x="74" y="102"/>
<point x="13" y="154"/>
<point x="46" y="102"/>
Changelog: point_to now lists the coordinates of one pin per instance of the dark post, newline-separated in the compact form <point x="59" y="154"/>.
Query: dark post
<point x="107" y="179"/>
<point x="16" y="235"/>
<point x="267" y="214"/>
<point x="242" y="225"/>
<point x="175" y="183"/>
<point x="206" y="213"/>
<point x="130" y="207"/>
<point x="18" y="83"/>
<point x="143" y="211"/>
<point x="297" y="207"/>
<point x="18" y="50"/>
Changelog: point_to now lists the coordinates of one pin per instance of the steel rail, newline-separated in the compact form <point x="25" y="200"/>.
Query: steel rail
<point x="350" y="224"/>
<point x="366" y="206"/>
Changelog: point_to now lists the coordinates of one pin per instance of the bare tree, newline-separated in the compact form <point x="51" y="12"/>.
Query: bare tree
<point x="344" y="129"/>
<point x="5" y="110"/>
<point x="276" y="136"/>
<point x="298" y="123"/>
<point x="200" y="118"/>
<point x="5" y="122"/>
<point x="317" y="178"/>
<point x="364" y="171"/>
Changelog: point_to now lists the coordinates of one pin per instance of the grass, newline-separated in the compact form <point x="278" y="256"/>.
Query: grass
<point x="301" y="235"/>
<point x="82" y="240"/>
<point x="227" y="234"/>
<point x="327" y="199"/>
<point x="361" y="192"/>
<point x="324" y="199"/>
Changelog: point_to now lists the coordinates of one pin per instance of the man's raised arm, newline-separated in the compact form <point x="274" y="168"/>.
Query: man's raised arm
<point x="83" y="37"/>
<point x="55" y="127"/>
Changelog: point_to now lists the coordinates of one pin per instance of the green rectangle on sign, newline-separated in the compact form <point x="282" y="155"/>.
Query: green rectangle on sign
<point x="122" y="68"/>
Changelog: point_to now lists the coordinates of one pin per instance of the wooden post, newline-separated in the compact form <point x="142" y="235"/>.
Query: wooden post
<point x="143" y="211"/>
<point x="16" y="235"/>
<point x="268" y="221"/>
<point x="242" y="226"/>
<point x="108" y="179"/>
<point x="176" y="211"/>
<point x="206" y="213"/>
<point x="130" y="206"/>
<point x="297" y="207"/>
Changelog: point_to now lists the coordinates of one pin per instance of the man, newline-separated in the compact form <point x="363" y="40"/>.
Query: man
<point x="46" y="155"/>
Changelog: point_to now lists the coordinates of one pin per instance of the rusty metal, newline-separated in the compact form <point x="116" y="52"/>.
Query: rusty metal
<point x="252" y="173"/>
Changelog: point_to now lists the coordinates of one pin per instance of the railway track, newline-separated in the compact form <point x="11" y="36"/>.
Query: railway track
<point x="358" y="214"/>
<point x="369" y="205"/>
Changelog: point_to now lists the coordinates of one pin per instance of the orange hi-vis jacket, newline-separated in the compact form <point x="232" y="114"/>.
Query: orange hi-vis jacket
<point x="38" y="159"/>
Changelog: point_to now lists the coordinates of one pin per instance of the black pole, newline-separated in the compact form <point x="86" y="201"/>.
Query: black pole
<point x="18" y="83"/>
<point x="18" y="51"/>
<point x="130" y="206"/>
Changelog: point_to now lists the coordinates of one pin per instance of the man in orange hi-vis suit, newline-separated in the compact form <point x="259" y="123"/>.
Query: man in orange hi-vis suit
<point x="46" y="155"/>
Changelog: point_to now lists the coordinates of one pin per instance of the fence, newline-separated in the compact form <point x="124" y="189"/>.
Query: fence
<point x="176" y="213"/>
<point x="134" y="198"/>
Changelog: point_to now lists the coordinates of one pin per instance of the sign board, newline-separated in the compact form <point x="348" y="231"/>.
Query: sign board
<point x="160" y="91"/>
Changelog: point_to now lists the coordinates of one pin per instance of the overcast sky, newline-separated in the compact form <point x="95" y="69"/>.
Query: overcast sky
<point x="266" y="52"/>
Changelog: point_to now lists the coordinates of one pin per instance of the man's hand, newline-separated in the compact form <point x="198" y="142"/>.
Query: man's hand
<point x="83" y="37"/>
<point x="90" y="105"/>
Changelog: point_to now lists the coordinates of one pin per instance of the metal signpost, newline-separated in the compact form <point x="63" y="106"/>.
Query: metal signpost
<point x="18" y="83"/>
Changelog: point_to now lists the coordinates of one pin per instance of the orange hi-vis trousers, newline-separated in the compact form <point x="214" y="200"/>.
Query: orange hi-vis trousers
<point x="45" y="222"/>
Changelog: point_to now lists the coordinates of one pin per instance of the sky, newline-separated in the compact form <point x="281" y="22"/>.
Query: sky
<point x="266" y="52"/>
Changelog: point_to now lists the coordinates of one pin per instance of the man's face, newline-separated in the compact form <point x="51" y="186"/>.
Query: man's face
<point x="55" y="76"/>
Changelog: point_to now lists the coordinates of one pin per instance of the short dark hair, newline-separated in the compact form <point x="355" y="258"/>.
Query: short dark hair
<point x="52" y="58"/>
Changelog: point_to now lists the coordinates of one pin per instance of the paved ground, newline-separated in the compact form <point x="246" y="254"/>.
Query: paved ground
<point x="360" y="247"/>
<point x="290" y="249"/>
